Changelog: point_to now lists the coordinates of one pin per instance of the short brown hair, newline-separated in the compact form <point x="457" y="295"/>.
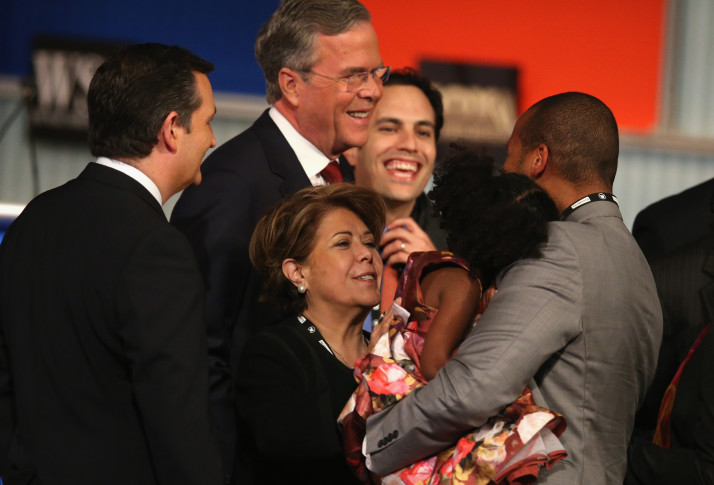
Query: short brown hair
<point x="288" y="231"/>
<point x="133" y="92"/>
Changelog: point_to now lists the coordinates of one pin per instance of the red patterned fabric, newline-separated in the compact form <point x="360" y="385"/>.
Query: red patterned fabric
<point x="509" y="448"/>
<point x="390" y="278"/>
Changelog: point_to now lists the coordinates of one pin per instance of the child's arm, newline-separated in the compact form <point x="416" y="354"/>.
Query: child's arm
<point x="452" y="290"/>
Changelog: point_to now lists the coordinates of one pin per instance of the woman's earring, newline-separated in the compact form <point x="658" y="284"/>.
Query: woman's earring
<point x="301" y="289"/>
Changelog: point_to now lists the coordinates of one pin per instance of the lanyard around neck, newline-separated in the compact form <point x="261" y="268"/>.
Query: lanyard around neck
<point x="596" y="197"/>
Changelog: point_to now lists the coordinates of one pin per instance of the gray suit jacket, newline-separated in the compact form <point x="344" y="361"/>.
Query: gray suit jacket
<point x="581" y="326"/>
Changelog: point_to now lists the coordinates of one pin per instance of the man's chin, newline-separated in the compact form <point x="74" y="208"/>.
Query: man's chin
<point x="355" y="138"/>
<point x="401" y="195"/>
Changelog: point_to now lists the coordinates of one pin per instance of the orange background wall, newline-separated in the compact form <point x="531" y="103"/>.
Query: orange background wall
<point x="611" y="49"/>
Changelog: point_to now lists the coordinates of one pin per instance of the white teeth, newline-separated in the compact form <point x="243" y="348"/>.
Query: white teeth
<point x="400" y="165"/>
<point x="367" y="277"/>
<point x="359" y="114"/>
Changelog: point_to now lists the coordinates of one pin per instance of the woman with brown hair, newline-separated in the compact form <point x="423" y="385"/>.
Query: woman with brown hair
<point x="318" y="256"/>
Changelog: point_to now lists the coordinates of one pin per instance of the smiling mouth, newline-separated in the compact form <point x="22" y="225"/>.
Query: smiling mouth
<point x="358" y="114"/>
<point x="402" y="170"/>
<point x="367" y="277"/>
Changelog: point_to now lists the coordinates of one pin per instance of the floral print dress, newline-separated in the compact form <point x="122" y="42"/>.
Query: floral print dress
<point x="509" y="448"/>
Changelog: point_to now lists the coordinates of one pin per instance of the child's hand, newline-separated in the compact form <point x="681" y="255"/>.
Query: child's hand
<point x="382" y="327"/>
<point x="486" y="298"/>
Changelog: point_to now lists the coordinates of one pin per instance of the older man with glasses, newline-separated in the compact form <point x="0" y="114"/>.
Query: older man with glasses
<point x="324" y="75"/>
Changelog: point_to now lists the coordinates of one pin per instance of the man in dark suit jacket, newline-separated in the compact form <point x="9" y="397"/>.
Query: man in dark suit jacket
<point x="685" y="285"/>
<point x="675" y="221"/>
<point x="324" y="75"/>
<point x="103" y="370"/>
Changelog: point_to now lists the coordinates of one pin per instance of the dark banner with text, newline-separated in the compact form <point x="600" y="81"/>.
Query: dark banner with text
<point x="480" y="103"/>
<point x="57" y="94"/>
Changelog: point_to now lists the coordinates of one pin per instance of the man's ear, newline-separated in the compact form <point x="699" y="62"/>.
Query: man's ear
<point x="170" y="132"/>
<point x="540" y="161"/>
<point x="289" y="80"/>
<point x="293" y="272"/>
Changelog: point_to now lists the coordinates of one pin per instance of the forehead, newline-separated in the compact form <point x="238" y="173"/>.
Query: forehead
<point x="405" y="103"/>
<point x="355" y="49"/>
<point x="340" y="219"/>
<point x="203" y="86"/>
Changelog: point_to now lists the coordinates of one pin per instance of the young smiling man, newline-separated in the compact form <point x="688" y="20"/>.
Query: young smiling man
<point x="324" y="77"/>
<point x="397" y="162"/>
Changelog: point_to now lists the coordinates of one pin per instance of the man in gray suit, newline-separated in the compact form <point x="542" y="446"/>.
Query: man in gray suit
<point x="581" y="325"/>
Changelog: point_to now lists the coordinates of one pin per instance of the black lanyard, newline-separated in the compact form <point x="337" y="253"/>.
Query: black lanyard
<point x="313" y="333"/>
<point x="586" y="200"/>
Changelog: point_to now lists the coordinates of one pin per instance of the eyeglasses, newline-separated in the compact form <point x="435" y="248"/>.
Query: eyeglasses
<point x="356" y="81"/>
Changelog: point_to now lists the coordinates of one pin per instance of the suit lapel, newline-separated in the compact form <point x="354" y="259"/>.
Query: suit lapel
<point x="281" y="159"/>
<point x="109" y="176"/>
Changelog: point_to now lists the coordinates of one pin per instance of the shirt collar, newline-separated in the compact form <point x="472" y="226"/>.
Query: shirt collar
<point x="310" y="157"/>
<point x="134" y="173"/>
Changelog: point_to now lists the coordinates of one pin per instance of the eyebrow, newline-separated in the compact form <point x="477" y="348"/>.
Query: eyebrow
<point x="425" y="123"/>
<point x="398" y="121"/>
<point x="349" y="233"/>
<point x="355" y="70"/>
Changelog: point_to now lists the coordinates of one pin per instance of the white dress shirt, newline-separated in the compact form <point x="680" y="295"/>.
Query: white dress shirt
<point x="134" y="173"/>
<point x="310" y="157"/>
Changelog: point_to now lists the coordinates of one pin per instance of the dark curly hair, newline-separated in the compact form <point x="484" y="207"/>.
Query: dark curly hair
<point x="289" y="229"/>
<point x="491" y="219"/>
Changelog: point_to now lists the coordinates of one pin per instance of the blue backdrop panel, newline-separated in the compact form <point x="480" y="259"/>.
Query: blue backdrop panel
<point x="222" y="32"/>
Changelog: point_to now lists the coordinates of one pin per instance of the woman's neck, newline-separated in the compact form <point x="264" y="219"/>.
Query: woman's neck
<point x="343" y="333"/>
<point x="336" y="325"/>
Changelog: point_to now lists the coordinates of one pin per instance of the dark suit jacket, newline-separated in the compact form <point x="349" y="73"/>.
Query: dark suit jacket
<point x="103" y="373"/>
<point x="290" y="391"/>
<point x="685" y="285"/>
<point x="242" y="179"/>
<point x="675" y="221"/>
<point x="690" y="457"/>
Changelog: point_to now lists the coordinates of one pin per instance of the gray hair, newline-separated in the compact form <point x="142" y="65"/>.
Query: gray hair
<point x="288" y="38"/>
